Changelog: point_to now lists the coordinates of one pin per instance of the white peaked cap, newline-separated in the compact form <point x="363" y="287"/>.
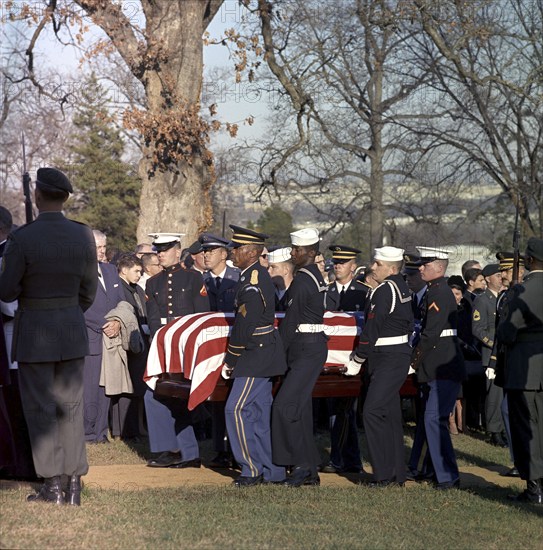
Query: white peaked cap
<point x="389" y="254"/>
<point x="305" y="237"/>
<point x="164" y="238"/>
<point x="280" y="255"/>
<point x="429" y="254"/>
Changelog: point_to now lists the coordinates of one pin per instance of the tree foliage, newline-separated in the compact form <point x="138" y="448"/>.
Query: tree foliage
<point x="276" y="223"/>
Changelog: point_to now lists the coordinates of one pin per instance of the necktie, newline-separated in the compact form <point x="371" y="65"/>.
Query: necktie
<point x="342" y="293"/>
<point x="218" y="281"/>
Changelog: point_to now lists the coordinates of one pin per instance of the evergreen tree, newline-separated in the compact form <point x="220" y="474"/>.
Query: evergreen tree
<point x="106" y="189"/>
<point x="276" y="223"/>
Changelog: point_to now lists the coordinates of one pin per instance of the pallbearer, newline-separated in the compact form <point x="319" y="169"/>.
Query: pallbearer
<point x="254" y="355"/>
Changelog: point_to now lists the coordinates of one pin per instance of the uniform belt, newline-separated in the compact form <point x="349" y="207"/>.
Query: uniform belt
<point x="48" y="303"/>
<point x="166" y="320"/>
<point x="448" y="332"/>
<point x="259" y="331"/>
<point x="309" y="328"/>
<point x="392" y="340"/>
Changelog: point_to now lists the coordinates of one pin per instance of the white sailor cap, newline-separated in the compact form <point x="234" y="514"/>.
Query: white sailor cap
<point x="164" y="241"/>
<point x="389" y="254"/>
<point x="429" y="254"/>
<point x="305" y="237"/>
<point x="280" y="255"/>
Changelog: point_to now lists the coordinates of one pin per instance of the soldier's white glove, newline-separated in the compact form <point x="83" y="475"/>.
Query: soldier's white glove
<point x="354" y="365"/>
<point x="490" y="373"/>
<point x="226" y="372"/>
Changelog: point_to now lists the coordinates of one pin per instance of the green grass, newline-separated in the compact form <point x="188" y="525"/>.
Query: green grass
<point x="414" y="517"/>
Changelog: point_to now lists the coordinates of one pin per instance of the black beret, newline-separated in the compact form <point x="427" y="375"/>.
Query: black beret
<point x="534" y="248"/>
<point x="491" y="269"/>
<point x="51" y="179"/>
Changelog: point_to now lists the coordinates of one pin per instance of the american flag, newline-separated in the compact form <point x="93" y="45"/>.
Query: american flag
<point x="195" y="345"/>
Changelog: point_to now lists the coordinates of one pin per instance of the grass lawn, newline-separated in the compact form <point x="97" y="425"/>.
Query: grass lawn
<point x="214" y="516"/>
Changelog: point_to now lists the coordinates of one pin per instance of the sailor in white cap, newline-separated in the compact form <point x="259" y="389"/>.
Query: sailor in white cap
<point x="439" y="363"/>
<point x="170" y="294"/>
<point x="302" y="331"/>
<point x="384" y="346"/>
<point x="281" y="270"/>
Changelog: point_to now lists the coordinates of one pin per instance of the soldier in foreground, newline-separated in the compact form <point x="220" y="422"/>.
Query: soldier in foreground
<point x="50" y="266"/>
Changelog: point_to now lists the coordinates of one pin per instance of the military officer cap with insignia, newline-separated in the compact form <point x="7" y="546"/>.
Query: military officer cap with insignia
<point x="304" y="237"/>
<point x="506" y="260"/>
<point x="195" y="248"/>
<point x="209" y="241"/>
<point x="411" y="262"/>
<point x="280" y="255"/>
<point x="389" y="254"/>
<point x="51" y="179"/>
<point x="342" y="253"/>
<point x="165" y="241"/>
<point x="241" y="236"/>
<point x="491" y="269"/>
<point x="429" y="254"/>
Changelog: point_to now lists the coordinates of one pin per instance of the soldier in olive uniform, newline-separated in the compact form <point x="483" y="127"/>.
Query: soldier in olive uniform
<point x="254" y="355"/>
<point x="170" y="294"/>
<point x="50" y="266"/>
<point x="521" y="331"/>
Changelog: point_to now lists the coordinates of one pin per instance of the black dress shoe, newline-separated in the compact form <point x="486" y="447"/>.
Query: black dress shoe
<point x="301" y="476"/>
<point x="533" y="493"/>
<point x="513" y="472"/>
<point x="446" y="485"/>
<point x="194" y="463"/>
<point x="248" y="481"/>
<point x="330" y="468"/>
<point x="222" y="461"/>
<point x="497" y="440"/>
<point x="50" y="491"/>
<point x="165" y="460"/>
<point x="73" y="494"/>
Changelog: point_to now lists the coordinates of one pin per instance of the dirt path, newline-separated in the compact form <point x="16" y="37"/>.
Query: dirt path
<point x="138" y="476"/>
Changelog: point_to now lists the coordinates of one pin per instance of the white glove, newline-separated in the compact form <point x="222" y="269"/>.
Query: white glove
<point x="353" y="366"/>
<point x="226" y="372"/>
<point x="490" y="373"/>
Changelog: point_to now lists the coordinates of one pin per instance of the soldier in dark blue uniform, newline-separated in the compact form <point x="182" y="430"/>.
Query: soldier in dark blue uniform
<point x="302" y="331"/>
<point x="384" y="344"/>
<point x="50" y="266"/>
<point x="170" y="294"/>
<point x="344" y="294"/>
<point x="254" y="355"/>
<point x="440" y="367"/>
<point x="221" y="282"/>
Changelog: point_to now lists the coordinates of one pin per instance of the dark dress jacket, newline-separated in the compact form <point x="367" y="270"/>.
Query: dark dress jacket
<point x="172" y="293"/>
<point x="483" y="323"/>
<point x="49" y="266"/>
<point x="354" y="298"/>
<point x="438" y="355"/>
<point x="255" y="348"/>
<point x="521" y="331"/>
<point x="222" y="298"/>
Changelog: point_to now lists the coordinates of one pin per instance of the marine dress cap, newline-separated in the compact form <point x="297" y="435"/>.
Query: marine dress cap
<point x="51" y="179"/>
<point x="490" y="269"/>
<point x="208" y="240"/>
<point x="342" y="253"/>
<point x="280" y="255"/>
<point x="534" y="248"/>
<point x="165" y="241"/>
<point x="428" y="254"/>
<point x="305" y="237"/>
<point x="242" y="235"/>
<point x="389" y="254"/>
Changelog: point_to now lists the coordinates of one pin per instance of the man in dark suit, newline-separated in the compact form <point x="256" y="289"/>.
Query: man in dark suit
<point x="172" y="293"/>
<point x="521" y="331"/>
<point x="440" y="366"/>
<point x="108" y="294"/>
<point x="254" y="356"/>
<point x="50" y="266"/>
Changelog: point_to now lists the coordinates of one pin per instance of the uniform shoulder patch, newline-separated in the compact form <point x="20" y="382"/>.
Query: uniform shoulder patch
<point x="476" y="315"/>
<point x="242" y="310"/>
<point x="433" y="305"/>
<point x="254" y="277"/>
<point x="203" y="290"/>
